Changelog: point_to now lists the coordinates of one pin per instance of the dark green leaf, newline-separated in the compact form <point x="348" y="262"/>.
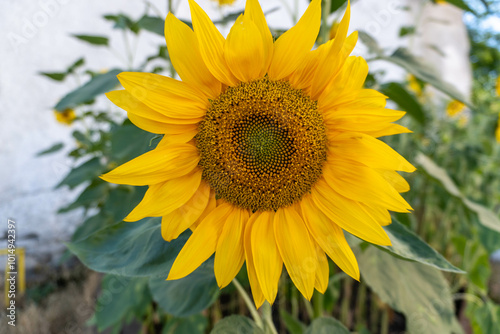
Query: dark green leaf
<point x="336" y="4"/>
<point x="95" y="40"/>
<point x="409" y="246"/>
<point x="409" y="30"/>
<point x="119" y="296"/>
<point x="293" y="326"/>
<point x="87" y="171"/>
<point x="326" y="325"/>
<point x="420" y="292"/>
<point x="231" y="17"/>
<point x="462" y="5"/>
<point x="128" y="142"/>
<point x="54" y="148"/>
<point x="129" y="249"/>
<point x="122" y="200"/>
<point x="406" y="101"/>
<point x="92" y="195"/>
<point x="153" y="24"/>
<point x="189" y="295"/>
<point x="76" y="64"/>
<point x="402" y="57"/>
<point x="236" y="324"/>
<point x="486" y="217"/>
<point x="98" y="85"/>
<point x="196" y="324"/>
<point x="91" y="225"/>
<point x="57" y="76"/>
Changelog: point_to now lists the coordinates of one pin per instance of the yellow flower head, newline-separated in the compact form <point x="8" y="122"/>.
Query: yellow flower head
<point x="497" y="131"/>
<point x="498" y="86"/>
<point x="415" y="85"/>
<point x="65" y="117"/>
<point x="270" y="151"/>
<point x="454" y="107"/>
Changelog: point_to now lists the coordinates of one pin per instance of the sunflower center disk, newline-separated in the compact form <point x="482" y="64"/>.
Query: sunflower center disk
<point x="262" y="145"/>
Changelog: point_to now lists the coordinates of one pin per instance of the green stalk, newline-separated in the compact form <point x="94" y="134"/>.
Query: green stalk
<point x="268" y="318"/>
<point x="318" y="302"/>
<point x="253" y="311"/>
<point x="325" y="12"/>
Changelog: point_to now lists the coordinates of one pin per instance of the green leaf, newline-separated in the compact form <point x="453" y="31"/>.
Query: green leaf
<point x="408" y="30"/>
<point x="153" y="24"/>
<point x="231" y="17"/>
<point x="405" y="101"/>
<point x="402" y="57"/>
<point x="98" y="85"/>
<point x="486" y="217"/>
<point x="76" y="64"/>
<point x="326" y="325"/>
<point x="196" y="324"/>
<point x="409" y="246"/>
<point x="370" y="42"/>
<point x="57" y="76"/>
<point x="189" y="295"/>
<point x="462" y="5"/>
<point x="122" y="200"/>
<point x="95" y="40"/>
<point x="91" y="225"/>
<point x="87" y="171"/>
<point x="293" y="326"/>
<point x="54" y="148"/>
<point x="420" y="292"/>
<point x="120" y="296"/>
<point x="92" y="195"/>
<point x="129" y="249"/>
<point x="236" y="324"/>
<point x="336" y="4"/>
<point x="128" y="142"/>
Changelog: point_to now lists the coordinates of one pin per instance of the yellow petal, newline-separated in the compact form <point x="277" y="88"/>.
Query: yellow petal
<point x="211" y="205"/>
<point x="159" y="165"/>
<point x="323" y="272"/>
<point x="257" y="294"/>
<point x="356" y="99"/>
<point x="170" y="97"/>
<point x="136" y="108"/>
<point x="266" y="256"/>
<point x="230" y="253"/>
<point x="186" y="57"/>
<point x="292" y="47"/>
<point x="362" y="184"/>
<point x="381" y="215"/>
<point x="348" y="214"/>
<point x="368" y="151"/>
<point x="330" y="237"/>
<point x="211" y="43"/>
<point x="296" y="249"/>
<point x="394" y="179"/>
<point x="176" y="222"/>
<point x="161" y="128"/>
<point x="201" y="244"/>
<point x="389" y="130"/>
<point x="163" y="198"/>
<point x="253" y="11"/>
<point x="244" y="50"/>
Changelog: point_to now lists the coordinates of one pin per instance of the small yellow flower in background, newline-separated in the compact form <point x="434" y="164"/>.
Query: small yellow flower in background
<point x="270" y="150"/>
<point x="498" y="86"/>
<point x="415" y="85"/>
<point x="333" y="30"/>
<point x="497" y="132"/>
<point x="454" y="108"/>
<point x="224" y="2"/>
<point x="441" y="2"/>
<point x="65" y="117"/>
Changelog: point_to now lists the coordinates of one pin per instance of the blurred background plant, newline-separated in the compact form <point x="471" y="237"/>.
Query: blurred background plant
<point x="408" y="287"/>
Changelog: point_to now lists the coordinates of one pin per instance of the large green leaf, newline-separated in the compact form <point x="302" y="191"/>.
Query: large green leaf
<point x="153" y="24"/>
<point x="54" y="148"/>
<point x="409" y="246"/>
<point x="186" y="296"/>
<point x="129" y="249"/>
<point x="128" y="142"/>
<point x="92" y="195"/>
<point x="420" y="292"/>
<point x="423" y="71"/>
<point x="195" y="324"/>
<point x="98" y="85"/>
<point x="293" y="325"/>
<point x="85" y="172"/>
<point x="462" y="5"/>
<point x="406" y="101"/>
<point x="236" y="324"/>
<point x="118" y="297"/>
<point x="486" y="217"/>
<point x="326" y="325"/>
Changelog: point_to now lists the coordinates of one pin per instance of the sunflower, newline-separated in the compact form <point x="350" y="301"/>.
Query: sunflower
<point x="66" y="117"/>
<point x="269" y="152"/>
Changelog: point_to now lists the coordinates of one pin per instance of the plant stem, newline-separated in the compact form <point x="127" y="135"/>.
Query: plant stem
<point x="268" y="318"/>
<point x="255" y="315"/>
<point x="384" y="327"/>
<point x="318" y="299"/>
<point x="325" y="12"/>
